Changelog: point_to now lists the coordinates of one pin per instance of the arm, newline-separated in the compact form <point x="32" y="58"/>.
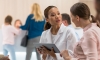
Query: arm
<point x="71" y="41"/>
<point x="89" y="46"/>
<point x="25" y="27"/>
<point x="15" y="30"/>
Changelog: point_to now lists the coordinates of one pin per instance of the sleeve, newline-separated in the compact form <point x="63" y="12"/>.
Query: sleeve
<point x="15" y="30"/>
<point x="89" y="46"/>
<point x="71" y="41"/>
<point x="25" y="27"/>
<point x="42" y="38"/>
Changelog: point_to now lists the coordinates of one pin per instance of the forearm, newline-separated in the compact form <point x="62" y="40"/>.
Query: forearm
<point x="67" y="58"/>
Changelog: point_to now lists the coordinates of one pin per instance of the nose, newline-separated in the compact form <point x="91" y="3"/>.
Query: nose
<point x="57" y="16"/>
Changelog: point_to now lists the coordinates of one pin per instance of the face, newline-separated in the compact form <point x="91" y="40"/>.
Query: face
<point x="76" y="20"/>
<point x="18" y="23"/>
<point x="97" y="4"/>
<point x="54" y="17"/>
<point x="65" y="22"/>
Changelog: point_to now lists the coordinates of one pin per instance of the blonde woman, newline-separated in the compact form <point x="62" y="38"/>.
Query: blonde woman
<point x="35" y="26"/>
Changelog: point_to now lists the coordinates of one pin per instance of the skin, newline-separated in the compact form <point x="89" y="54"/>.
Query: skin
<point x="97" y="8"/>
<point x="55" y="19"/>
<point x="65" y="22"/>
<point x="18" y="24"/>
<point x="5" y="58"/>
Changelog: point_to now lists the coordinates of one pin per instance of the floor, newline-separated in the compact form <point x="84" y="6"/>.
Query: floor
<point x="21" y="56"/>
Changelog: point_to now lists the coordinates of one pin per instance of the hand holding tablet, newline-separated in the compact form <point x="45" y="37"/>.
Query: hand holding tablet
<point x="47" y="46"/>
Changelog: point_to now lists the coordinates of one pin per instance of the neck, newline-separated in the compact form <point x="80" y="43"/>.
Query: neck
<point x="55" y="29"/>
<point x="85" y="23"/>
<point x="7" y="24"/>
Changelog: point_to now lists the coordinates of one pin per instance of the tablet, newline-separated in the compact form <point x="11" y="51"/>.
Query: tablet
<point x="48" y="46"/>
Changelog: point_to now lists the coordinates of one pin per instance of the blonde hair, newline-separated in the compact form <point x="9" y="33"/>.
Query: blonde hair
<point x="37" y="12"/>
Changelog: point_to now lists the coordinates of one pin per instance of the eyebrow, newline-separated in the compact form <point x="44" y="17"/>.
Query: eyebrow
<point x="54" y="12"/>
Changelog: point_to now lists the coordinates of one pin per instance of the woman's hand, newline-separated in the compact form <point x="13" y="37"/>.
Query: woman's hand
<point x="5" y="58"/>
<point x="43" y="50"/>
<point x="40" y="51"/>
<point x="52" y="53"/>
<point x="65" y="55"/>
<point x="49" y="52"/>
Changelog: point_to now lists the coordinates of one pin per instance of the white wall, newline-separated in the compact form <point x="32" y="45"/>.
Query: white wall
<point x="90" y="3"/>
<point x="19" y="9"/>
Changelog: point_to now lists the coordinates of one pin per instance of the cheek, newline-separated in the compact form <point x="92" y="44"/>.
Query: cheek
<point x="73" y="20"/>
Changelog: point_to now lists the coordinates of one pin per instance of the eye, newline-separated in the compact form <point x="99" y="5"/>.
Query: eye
<point x="52" y="15"/>
<point x="58" y="13"/>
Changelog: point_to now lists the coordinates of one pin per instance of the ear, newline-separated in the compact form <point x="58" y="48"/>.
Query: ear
<point x="47" y="20"/>
<point x="77" y="18"/>
<point x="66" y="21"/>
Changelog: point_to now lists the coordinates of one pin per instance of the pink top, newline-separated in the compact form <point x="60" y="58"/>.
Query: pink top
<point x="9" y="33"/>
<point x="88" y="48"/>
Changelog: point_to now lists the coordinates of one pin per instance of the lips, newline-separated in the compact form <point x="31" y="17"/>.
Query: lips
<point x="57" y="20"/>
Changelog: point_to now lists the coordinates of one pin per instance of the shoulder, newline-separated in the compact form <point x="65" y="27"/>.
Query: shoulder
<point x="30" y="15"/>
<point x="11" y="27"/>
<point x="69" y="30"/>
<point x="89" y="33"/>
<point x="44" y="33"/>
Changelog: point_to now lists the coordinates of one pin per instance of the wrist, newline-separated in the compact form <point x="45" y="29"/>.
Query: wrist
<point x="67" y="58"/>
<point x="44" y="56"/>
<point x="53" y="55"/>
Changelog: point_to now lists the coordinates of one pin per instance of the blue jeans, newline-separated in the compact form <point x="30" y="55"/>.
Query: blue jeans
<point x="9" y="48"/>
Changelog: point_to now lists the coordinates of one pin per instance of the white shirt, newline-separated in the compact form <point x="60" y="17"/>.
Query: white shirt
<point x="65" y="39"/>
<point x="53" y="37"/>
<point x="9" y="33"/>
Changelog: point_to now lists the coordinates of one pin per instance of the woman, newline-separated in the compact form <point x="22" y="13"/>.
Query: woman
<point x="88" y="48"/>
<point x="57" y="33"/>
<point x="9" y="32"/>
<point x="35" y="26"/>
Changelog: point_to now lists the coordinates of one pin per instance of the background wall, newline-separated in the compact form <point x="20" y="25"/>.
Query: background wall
<point x="90" y="3"/>
<point x="20" y="9"/>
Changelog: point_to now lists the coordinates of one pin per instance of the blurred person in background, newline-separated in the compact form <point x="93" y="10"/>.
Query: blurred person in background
<point x="35" y="26"/>
<point x="9" y="32"/>
<point x="67" y="22"/>
<point x="18" y="23"/>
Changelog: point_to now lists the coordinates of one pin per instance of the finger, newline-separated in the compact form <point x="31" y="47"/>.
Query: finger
<point x="52" y="49"/>
<point x="38" y="50"/>
<point x="43" y="47"/>
<point x="60" y="55"/>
